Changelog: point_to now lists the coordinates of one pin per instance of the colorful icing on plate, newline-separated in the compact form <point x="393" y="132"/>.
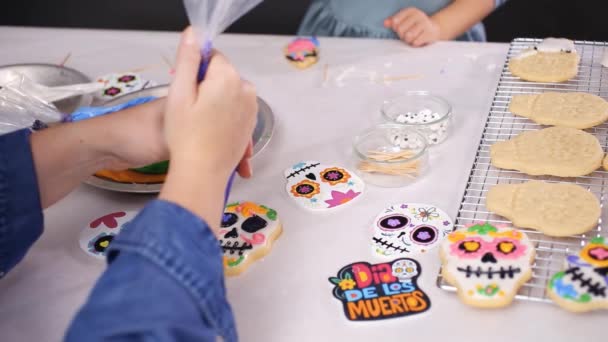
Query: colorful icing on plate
<point x="380" y="291"/>
<point x="97" y="236"/>
<point x="409" y="228"/>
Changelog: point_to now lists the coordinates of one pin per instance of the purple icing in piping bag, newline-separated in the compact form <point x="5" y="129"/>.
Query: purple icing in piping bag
<point x="202" y="71"/>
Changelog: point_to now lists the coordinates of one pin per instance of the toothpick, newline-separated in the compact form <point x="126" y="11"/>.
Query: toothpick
<point x="65" y="59"/>
<point x="402" y="77"/>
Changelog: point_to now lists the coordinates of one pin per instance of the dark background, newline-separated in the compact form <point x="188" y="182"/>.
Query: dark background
<point x="573" y="19"/>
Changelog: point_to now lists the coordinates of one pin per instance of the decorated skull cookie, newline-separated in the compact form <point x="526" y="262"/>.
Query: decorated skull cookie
<point x="411" y="228"/>
<point x="583" y="286"/>
<point x="487" y="264"/>
<point x="97" y="235"/>
<point x="405" y="270"/>
<point x="316" y="186"/>
<point x="121" y="84"/>
<point x="303" y="52"/>
<point x="247" y="233"/>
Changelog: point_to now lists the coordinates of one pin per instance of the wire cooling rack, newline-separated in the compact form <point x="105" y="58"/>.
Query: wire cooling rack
<point x="502" y="125"/>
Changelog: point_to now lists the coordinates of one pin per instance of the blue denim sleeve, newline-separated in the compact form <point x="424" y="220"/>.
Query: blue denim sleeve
<point x="164" y="282"/>
<point x="21" y="220"/>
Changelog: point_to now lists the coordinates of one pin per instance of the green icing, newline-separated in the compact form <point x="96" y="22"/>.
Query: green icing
<point x="236" y="262"/>
<point x="598" y="240"/>
<point x="482" y="229"/>
<point x="271" y="213"/>
<point x="154" y="169"/>
<point x="556" y="277"/>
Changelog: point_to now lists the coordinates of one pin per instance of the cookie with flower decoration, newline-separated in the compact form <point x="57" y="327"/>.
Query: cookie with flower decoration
<point x="322" y="187"/>
<point x="302" y="52"/>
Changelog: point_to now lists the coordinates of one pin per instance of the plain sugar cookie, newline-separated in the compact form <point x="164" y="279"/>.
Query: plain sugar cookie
<point x="247" y="233"/>
<point x="583" y="285"/>
<point x="487" y="264"/>
<point x="553" y="60"/>
<point x="576" y="110"/>
<point x="556" y="209"/>
<point x="555" y="151"/>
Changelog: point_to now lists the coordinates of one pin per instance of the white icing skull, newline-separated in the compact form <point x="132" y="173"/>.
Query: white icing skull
<point x="405" y="270"/>
<point x="487" y="264"/>
<point x="246" y="233"/>
<point x="583" y="285"/>
<point x="316" y="186"/>
<point x="411" y="228"/>
<point x="97" y="235"/>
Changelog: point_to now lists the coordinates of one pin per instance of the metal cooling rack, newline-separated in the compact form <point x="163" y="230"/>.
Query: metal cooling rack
<point x="502" y="125"/>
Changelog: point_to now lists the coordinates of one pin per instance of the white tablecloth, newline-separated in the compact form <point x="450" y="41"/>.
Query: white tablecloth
<point x="286" y="296"/>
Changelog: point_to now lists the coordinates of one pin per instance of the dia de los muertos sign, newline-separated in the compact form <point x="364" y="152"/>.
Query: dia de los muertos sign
<point x="387" y="290"/>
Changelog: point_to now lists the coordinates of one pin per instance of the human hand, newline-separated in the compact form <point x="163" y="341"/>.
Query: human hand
<point x="414" y="27"/>
<point x="208" y="129"/>
<point x="209" y="124"/>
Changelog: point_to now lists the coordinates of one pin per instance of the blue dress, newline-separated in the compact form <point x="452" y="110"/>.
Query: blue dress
<point x="364" y="18"/>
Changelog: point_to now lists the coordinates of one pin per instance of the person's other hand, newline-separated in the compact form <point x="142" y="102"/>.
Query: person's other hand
<point x="211" y="124"/>
<point x="414" y="27"/>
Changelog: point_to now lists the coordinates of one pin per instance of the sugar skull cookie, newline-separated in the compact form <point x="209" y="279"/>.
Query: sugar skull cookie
<point x="583" y="285"/>
<point x="317" y="186"/>
<point x="121" y="84"/>
<point x="487" y="264"/>
<point x="303" y="52"/>
<point x="97" y="235"/>
<point x="247" y="233"/>
<point x="410" y="228"/>
<point x="552" y="60"/>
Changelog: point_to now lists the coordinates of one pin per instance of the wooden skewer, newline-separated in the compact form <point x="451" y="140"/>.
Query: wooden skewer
<point x="402" y="77"/>
<point x="65" y="59"/>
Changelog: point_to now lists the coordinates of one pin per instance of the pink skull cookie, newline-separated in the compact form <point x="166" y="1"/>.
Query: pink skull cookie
<point x="487" y="264"/>
<point x="302" y="52"/>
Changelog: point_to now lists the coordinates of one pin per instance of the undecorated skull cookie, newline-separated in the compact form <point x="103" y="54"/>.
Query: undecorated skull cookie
<point x="97" y="235"/>
<point x="247" y="233"/>
<point x="553" y="151"/>
<point x="410" y="228"/>
<point x="583" y="285"/>
<point x="552" y="60"/>
<point x="487" y="264"/>
<point x="317" y="186"/>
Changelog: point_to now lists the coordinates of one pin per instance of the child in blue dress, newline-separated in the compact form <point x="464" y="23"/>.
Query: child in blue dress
<point x="417" y="23"/>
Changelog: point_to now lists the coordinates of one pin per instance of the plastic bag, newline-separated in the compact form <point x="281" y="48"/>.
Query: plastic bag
<point x="209" y="18"/>
<point x="19" y="109"/>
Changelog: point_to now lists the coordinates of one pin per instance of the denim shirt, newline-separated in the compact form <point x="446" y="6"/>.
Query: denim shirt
<point x="364" y="18"/>
<point x="164" y="280"/>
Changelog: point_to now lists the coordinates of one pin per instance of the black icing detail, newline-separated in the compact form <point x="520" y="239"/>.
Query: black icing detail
<point x="235" y="248"/>
<point x="389" y="223"/>
<point x="603" y="271"/>
<point x="389" y="245"/>
<point x="97" y="245"/>
<point x="311" y="176"/>
<point x="305" y="189"/>
<point x="312" y="54"/>
<point x="488" y="257"/>
<point x="229" y="219"/>
<point x="326" y="175"/>
<point x="307" y="167"/>
<point x="254" y="224"/>
<point x="502" y="272"/>
<point x="231" y="234"/>
<point x="596" y="289"/>
<point x="424" y="235"/>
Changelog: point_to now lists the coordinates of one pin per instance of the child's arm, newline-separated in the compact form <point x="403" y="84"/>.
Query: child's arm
<point x="417" y="29"/>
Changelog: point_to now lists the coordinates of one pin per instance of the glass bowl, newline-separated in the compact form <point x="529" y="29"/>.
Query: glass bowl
<point x="390" y="155"/>
<point x="429" y="114"/>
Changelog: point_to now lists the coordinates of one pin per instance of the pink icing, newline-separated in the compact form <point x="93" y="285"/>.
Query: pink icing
<point x="488" y="246"/>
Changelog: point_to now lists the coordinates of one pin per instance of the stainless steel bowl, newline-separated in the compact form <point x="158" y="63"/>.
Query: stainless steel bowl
<point x="261" y="137"/>
<point x="51" y="75"/>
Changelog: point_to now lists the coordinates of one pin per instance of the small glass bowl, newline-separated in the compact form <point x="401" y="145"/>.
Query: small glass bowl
<point x="390" y="155"/>
<point x="429" y="114"/>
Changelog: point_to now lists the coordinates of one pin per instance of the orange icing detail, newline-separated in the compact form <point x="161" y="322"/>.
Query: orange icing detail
<point x="129" y="176"/>
<point x="456" y="236"/>
<point x="584" y="254"/>
<point x="345" y="176"/>
<point x="247" y="209"/>
<point x="315" y="186"/>
<point x="512" y="233"/>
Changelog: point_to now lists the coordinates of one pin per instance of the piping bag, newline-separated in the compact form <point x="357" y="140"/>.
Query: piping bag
<point x="209" y="18"/>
